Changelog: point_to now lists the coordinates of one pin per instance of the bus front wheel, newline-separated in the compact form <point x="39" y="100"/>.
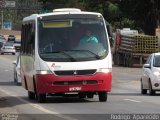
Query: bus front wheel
<point x="42" y="98"/>
<point x="102" y="96"/>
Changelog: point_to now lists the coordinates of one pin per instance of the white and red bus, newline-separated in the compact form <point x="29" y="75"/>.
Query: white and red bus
<point x="53" y="62"/>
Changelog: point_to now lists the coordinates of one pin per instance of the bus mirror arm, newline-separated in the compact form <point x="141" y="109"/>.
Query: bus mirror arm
<point x="111" y="39"/>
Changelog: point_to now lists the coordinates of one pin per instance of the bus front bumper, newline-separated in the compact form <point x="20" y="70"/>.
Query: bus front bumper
<point x="50" y="83"/>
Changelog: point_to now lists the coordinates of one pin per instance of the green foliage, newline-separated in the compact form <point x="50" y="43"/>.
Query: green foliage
<point x="141" y="14"/>
<point x="113" y="10"/>
<point x="54" y="4"/>
<point x="43" y="11"/>
<point x="127" y="23"/>
<point x="144" y="12"/>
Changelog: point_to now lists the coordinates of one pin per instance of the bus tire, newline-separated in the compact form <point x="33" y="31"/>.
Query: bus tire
<point x="42" y="98"/>
<point x="35" y="87"/>
<point x="102" y="96"/>
<point x="31" y="95"/>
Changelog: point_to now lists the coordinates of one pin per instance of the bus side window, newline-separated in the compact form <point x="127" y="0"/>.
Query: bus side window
<point x="28" y="38"/>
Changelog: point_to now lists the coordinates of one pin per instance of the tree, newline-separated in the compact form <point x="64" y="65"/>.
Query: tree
<point x="141" y="14"/>
<point x="53" y="4"/>
<point x="146" y="13"/>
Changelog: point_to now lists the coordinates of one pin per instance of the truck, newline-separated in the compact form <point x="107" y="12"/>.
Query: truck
<point x="132" y="48"/>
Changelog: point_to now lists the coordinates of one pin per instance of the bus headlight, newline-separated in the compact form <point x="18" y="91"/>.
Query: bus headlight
<point x="105" y="70"/>
<point x="43" y="72"/>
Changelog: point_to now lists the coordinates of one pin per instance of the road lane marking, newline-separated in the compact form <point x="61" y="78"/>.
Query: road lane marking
<point x="38" y="106"/>
<point x="132" y="100"/>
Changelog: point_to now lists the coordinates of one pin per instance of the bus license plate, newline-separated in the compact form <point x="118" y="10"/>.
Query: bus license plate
<point x="75" y="88"/>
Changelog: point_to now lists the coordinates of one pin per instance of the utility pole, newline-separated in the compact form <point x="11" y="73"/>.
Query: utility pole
<point x="2" y="5"/>
<point x="2" y="18"/>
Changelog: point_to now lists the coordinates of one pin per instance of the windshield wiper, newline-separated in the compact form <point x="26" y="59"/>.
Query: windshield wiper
<point x="72" y="58"/>
<point x="64" y="53"/>
<point x="95" y="55"/>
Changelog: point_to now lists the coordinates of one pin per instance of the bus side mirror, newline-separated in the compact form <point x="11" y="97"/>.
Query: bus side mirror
<point x="111" y="40"/>
<point x="110" y="33"/>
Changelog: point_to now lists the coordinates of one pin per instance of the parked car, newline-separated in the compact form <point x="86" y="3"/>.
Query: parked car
<point x="1" y="36"/>
<point x="2" y="41"/>
<point x="11" y="38"/>
<point x="17" y="45"/>
<point x="8" y="48"/>
<point x="150" y="79"/>
<point x="16" y="70"/>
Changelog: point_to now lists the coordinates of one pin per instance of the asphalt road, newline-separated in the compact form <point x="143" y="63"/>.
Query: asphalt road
<point x="125" y="98"/>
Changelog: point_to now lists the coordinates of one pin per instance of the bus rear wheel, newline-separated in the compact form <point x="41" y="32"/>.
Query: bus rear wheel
<point x="102" y="96"/>
<point x="41" y="98"/>
<point x="31" y="95"/>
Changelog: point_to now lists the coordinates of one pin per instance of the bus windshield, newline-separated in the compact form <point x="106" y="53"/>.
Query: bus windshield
<point x="72" y="39"/>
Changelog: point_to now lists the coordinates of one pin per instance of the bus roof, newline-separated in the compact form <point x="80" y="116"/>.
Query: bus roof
<point x="67" y="10"/>
<point x="61" y="11"/>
